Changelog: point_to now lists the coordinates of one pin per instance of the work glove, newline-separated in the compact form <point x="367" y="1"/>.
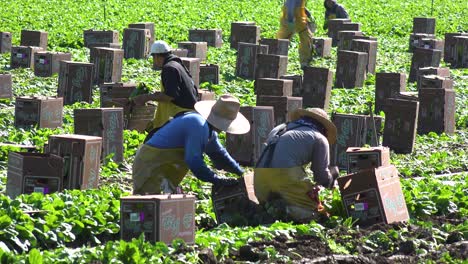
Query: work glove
<point x="225" y="181"/>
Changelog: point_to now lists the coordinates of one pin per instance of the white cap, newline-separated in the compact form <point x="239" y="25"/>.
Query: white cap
<point x="160" y="47"/>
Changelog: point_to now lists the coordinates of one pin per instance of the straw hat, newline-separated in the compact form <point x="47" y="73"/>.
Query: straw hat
<point x="224" y="114"/>
<point x="318" y="115"/>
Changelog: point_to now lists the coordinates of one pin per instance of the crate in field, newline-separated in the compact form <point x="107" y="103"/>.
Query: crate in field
<point x="439" y="71"/>
<point x="209" y="73"/>
<point x="271" y="86"/>
<point x="369" y="47"/>
<point x="424" y="25"/>
<point x="351" y="69"/>
<point x="75" y="82"/>
<point x="401" y="120"/>
<point x="205" y="95"/>
<point x="193" y="65"/>
<point x="282" y="106"/>
<point x="374" y="196"/>
<point x="246" y="148"/>
<point x="195" y="49"/>
<point x="430" y="43"/>
<point x="180" y="52"/>
<point x="6" y="84"/>
<point x="271" y="66"/>
<point x="449" y="47"/>
<point x="47" y="63"/>
<point x="416" y="40"/>
<point x="388" y="85"/>
<point x="276" y="46"/>
<point x="93" y="37"/>
<point x="322" y="47"/>
<point x="145" y="25"/>
<point x="23" y="56"/>
<point x="345" y="37"/>
<point x="116" y="94"/>
<point x="34" y="38"/>
<point x="423" y="58"/>
<point x="436" y="111"/>
<point x="367" y="158"/>
<point x="214" y="37"/>
<point x="5" y="42"/>
<point x="33" y="172"/>
<point x="82" y="159"/>
<point x="334" y="26"/>
<point x="106" y="123"/>
<point x="461" y="52"/>
<point x="434" y="81"/>
<point x="246" y="32"/>
<point x="159" y="217"/>
<point x="107" y="65"/>
<point x="297" y="83"/>
<point x="139" y="117"/>
<point x="43" y="112"/>
<point x="246" y="63"/>
<point x="136" y="43"/>
<point x="316" y="87"/>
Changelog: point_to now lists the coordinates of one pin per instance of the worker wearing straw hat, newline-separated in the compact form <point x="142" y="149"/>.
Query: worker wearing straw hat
<point x="280" y="174"/>
<point x="164" y="160"/>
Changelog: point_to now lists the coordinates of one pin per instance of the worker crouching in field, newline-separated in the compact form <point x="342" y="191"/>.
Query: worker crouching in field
<point x="296" y="19"/>
<point x="178" y="92"/>
<point x="164" y="160"/>
<point x="333" y="10"/>
<point x="280" y="182"/>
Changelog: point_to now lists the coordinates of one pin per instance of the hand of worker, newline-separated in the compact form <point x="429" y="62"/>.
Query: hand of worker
<point x="226" y="181"/>
<point x="335" y="173"/>
<point x="141" y="99"/>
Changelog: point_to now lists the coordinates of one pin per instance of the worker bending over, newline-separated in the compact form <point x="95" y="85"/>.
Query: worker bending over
<point x="164" y="160"/>
<point x="333" y="10"/>
<point x="280" y="173"/>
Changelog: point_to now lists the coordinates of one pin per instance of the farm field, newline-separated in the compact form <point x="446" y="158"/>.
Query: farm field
<point x="83" y="226"/>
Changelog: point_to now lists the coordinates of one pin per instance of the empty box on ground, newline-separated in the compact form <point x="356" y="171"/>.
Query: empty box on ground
<point x="206" y="95"/>
<point x="435" y="81"/>
<point x="271" y="66"/>
<point x="246" y="32"/>
<point x="136" y="43"/>
<point x="107" y="65"/>
<point x="322" y="47"/>
<point x="416" y="39"/>
<point x="345" y="37"/>
<point x="34" y="38"/>
<point x="460" y="52"/>
<point x="423" y="58"/>
<point x="271" y="86"/>
<point x="138" y="117"/>
<point x="424" y="25"/>
<point x="367" y="158"/>
<point x="441" y="72"/>
<point x="48" y="63"/>
<point x="43" y="112"/>
<point x="436" y="111"/>
<point x="195" y="49"/>
<point x="316" y="87"/>
<point x="93" y="37"/>
<point x="23" y="57"/>
<point x="5" y="42"/>
<point x="75" y="82"/>
<point x="388" y="85"/>
<point x="297" y="84"/>
<point x="282" y="105"/>
<point x="369" y="47"/>
<point x="116" y="94"/>
<point x="351" y="69"/>
<point x="145" y="25"/>
<point x="214" y="37"/>
<point x="449" y="47"/>
<point x="276" y="46"/>
<point x="209" y="73"/>
<point x="246" y="63"/>
<point x="6" y="86"/>
<point x="193" y="65"/>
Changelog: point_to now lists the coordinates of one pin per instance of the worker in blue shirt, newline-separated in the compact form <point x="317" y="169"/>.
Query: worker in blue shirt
<point x="333" y="10"/>
<point x="164" y="160"/>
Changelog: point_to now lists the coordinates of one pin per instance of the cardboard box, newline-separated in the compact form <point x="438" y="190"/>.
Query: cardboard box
<point x="353" y="131"/>
<point x="351" y="69"/>
<point x="6" y="83"/>
<point x="282" y="105"/>
<point x="159" y="217"/>
<point x="423" y="58"/>
<point x="145" y="25"/>
<point x="322" y="47"/>
<point x="92" y="37"/>
<point x="316" y="87"/>
<point x="345" y="37"/>
<point x="246" y="63"/>
<point x="271" y="66"/>
<point x="139" y="117"/>
<point x="33" y="172"/>
<point x="367" y="158"/>
<point x="434" y="81"/>
<point x="34" y="38"/>
<point x="416" y="39"/>
<point x="193" y="65"/>
<point x="5" y="42"/>
<point x="334" y="26"/>
<point x="439" y="71"/>
<point x="436" y="111"/>
<point x="23" y="57"/>
<point x="136" y="43"/>
<point x="247" y="148"/>
<point x="116" y="94"/>
<point x="195" y="49"/>
<point x="276" y="46"/>
<point x="460" y="52"/>
<point x="205" y="95"/>
<point x="449" y="47"/>
<point x="43" y="112"/>
<point x="75" y="82"/>
<point x="388" y="85"/>
<point x="271" y="86"/>
<point x="81" y="156"/>
<point x="213" y="37"/>
<point x="209" y="73"/>
<point x="369" y="47"/>
<point x="297" y="84"/>
<point x="374" y="196"/>
<point x="424" y="25"/>
<point x="106" y="123"/>
<point x="401" y="120"/>
<point x="181" y="53"/>
<point x="48" y="63"/>
<point x="246" y="32"/>
<point x="107" y="65"/>
<point x="429" y="43"/>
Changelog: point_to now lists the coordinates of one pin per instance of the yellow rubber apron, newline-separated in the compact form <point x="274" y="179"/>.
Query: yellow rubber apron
<point x="164" y="112"/>
<point x="158" y="170"/>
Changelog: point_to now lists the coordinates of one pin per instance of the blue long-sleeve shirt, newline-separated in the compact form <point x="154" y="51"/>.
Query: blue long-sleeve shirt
<point x="191" y="132"/>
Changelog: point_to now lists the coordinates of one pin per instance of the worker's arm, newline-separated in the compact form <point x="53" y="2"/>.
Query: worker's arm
<point x="220" y="157"/>
<point x="320" y="163"/>
<point x="341" y="12"/>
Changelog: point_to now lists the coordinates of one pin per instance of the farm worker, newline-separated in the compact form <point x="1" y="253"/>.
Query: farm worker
<point x="333" y="10"/>
<point x="164" y="160"/>
<point x="280" y="174"/>
<point x="178" y="92"/>
<point x="296" y="18"/>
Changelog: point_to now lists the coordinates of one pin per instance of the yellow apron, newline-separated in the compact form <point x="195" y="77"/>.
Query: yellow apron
<point x="158" y="170"/>
<point x="164" y="112"/>
<point x="293" y="186"/>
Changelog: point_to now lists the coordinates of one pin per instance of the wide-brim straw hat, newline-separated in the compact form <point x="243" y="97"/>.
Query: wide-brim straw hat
<point x="224" y="114"/>
<point x="320" y="116"/>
